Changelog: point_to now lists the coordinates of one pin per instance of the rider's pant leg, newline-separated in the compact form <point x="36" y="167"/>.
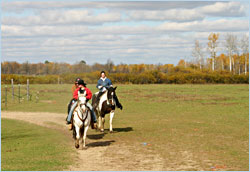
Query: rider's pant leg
<point x="92" y="112"/>
<point x="70" y="104"/>
<point x="71" y="112"/>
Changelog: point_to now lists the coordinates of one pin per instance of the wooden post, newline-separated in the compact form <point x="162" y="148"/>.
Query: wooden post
<point x="12" y="86"/>
<point x="19" y="96"/>
<point x="6" y="96"/>
<point x="28" y="89"/>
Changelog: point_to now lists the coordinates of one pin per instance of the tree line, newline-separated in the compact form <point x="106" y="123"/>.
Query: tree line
<point x="176" y="75"/>
<point x="229" y="67"/>
<point x="235" y="59"/>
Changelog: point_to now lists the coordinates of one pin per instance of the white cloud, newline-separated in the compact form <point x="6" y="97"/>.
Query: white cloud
<point x="63" y="17"/>
<point x="128" y="32"/>
<point x="229" y="9"/>
<point x="179" y="15"/>
<point x="158" y="5"/>
<point x="221" y="25"/>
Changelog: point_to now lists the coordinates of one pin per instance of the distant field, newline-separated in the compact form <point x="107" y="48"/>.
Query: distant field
<point x="206" y="123"/>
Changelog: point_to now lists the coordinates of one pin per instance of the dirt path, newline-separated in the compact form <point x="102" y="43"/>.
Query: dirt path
<point x="102" y="154"/>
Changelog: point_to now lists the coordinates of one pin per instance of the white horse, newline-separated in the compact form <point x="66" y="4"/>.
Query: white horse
<point x="106" y="105"/>
<point x="81" y="119"/>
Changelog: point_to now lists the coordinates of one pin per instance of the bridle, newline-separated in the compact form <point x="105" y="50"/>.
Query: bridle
<point x="110" y="97"/>
<point x="81" y="111"/>
<point x="79" y="107"/>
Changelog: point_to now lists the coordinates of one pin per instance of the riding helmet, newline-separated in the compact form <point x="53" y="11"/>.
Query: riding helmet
<point x="81" y="82"/>
<point x="77" y="80"/>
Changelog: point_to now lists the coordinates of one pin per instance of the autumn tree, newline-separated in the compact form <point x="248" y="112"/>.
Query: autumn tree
<point x="244" y="45"/>
<point x="197" y="53"/>
<point x="109" y="65"/>
<point x="222" y="59"/>
<point x="25" y="68"/>
<point x="212" y="47"/>
<point x="231" y="46"/>
<point x="181" y="63"/>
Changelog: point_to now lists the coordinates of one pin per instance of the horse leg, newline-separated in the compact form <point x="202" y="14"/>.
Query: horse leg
<point x="77" y="136"/>
<point x="112" y="113"/>
<point x="103" y="121"/>
<point x="74" y="131"/>
<point x="84" y="137"/>
<point x="99" y="122"/>
<point x="81" y="138"/>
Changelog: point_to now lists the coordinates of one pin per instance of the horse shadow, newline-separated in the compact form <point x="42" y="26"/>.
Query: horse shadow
<point x="96" y="136"/>
<point x="100" y="143"/>
<point x="126" y="129"/>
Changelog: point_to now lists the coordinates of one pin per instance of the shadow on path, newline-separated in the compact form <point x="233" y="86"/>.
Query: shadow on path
<point x="127" y="129"/>
<point x="102" y="143"/>
<point x="96" y="136"/>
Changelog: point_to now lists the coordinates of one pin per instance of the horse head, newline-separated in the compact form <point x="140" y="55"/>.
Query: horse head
<point x="82" y="100"/>
<point x="111" y="94"/>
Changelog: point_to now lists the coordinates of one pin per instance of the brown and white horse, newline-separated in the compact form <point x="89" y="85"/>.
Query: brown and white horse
<point x="106" y="105"/>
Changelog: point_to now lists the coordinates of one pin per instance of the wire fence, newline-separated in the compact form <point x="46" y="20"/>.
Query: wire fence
<point x="18" y="92"/>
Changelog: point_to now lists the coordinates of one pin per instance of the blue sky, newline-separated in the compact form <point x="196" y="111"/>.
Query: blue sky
<point x="125" y="32"/>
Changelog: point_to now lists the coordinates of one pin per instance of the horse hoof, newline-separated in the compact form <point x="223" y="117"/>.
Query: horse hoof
<point x="84" y="148"/>
<point x="102" y="130"/>
<point x="111" y="131"/>
<point x="77" y="146"/>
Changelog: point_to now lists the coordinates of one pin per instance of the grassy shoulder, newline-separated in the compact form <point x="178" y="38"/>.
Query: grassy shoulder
<point x="28" y="147"/>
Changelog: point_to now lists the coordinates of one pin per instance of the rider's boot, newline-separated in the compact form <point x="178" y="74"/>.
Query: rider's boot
<point x="70" y="126"/>
<point x="93" y="120"/>
<point x="94" y="125"/>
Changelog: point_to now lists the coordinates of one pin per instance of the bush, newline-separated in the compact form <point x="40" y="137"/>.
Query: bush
<point x="147" y="77"/>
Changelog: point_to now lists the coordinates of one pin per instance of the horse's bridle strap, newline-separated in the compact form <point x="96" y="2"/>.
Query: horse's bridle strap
<point x="81" y="118"/>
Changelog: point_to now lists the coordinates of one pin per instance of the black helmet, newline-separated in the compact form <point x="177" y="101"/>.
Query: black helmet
<point x="81" y="82"/>
<point x="77" y="80"/>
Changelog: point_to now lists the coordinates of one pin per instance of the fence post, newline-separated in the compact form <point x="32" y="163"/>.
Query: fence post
<point x="28" y="89"/>
<point x="6" y="96"/>
<point x="19" y="96"/>
<point x="12" y="86"/>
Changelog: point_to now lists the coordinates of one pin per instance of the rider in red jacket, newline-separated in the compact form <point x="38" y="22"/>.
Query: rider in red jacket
<point x="81" y="84"/>
<point x="88" y="93"/>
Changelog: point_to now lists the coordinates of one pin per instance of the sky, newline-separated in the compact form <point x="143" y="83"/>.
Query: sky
<point x="130" y="32"/>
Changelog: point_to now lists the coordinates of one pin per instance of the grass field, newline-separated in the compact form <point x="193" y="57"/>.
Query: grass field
<point x="28" y="147"/>
<point x="209" y="123"/>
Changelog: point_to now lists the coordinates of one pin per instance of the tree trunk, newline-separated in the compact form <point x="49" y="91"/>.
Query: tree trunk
<point x="233" y="65"/>
<point x="230" y="61"/>
<point x="245" y="65"/>
<point x="213" y="64"/>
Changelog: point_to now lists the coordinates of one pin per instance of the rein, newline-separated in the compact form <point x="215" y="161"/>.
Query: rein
<point x="83" y="120"/>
